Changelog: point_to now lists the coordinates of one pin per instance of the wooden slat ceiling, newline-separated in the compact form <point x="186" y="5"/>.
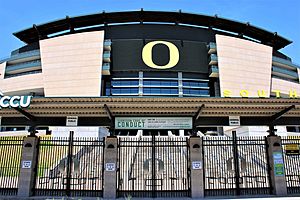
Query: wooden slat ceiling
<point x="90" y="107"/>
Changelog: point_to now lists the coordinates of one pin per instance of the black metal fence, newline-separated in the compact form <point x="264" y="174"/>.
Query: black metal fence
<point x="70" y="167"/>
<point x="236" y="166"/>
<point x="10" y="159"/>
<point x="291" y="152"/>
<point x="153" y="167"/>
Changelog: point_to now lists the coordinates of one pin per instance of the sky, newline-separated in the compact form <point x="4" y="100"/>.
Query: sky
<point x="281" y="16"/>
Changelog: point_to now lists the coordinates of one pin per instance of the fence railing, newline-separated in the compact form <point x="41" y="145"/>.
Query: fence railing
<point x="10" y="159"/>
<point x="235" y="166"/>
<point x="70" y="166"/>
<point x="153" y="167"/>
<point x="291" y="146"/>
<point x="149" y="166"/>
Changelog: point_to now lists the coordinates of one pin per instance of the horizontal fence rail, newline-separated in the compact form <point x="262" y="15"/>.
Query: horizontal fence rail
<point x="70" y="167"/>
<point x="153" y="167"/>
<point x="10" y="154"/>
<point x="291" y="152"/>
<point x="235" y="166"/>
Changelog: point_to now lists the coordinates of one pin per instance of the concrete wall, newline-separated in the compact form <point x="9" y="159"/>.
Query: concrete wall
<point x="243" y="65"/>
<point x="22" y="84"/>
<point x="285" y="87"/>
<point x="72" y="65"/>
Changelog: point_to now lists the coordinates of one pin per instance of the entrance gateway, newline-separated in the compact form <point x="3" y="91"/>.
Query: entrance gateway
<point x="153" y="166"/>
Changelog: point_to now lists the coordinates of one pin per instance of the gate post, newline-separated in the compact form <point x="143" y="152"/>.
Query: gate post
<point x="277" y="169"/>
<point x="196" y="167"/>
<point x="110" y="168"/>
<point x="28" y="166"/>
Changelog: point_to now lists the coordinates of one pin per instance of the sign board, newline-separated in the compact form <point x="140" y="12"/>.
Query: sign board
<point x="234" y="121"/>
<point x="290" y="149"/>
<point x="72" y="121"/>
<point x="26" y="164"/>
<point x="110" y="167"/>
<point x="153" y="122"/>
<point x="14" y="101"/>
<point x="278" y="164"/>
<point x="196" y="165"/>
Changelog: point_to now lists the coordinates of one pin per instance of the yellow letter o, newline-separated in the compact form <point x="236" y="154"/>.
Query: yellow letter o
<point x="147" y="55"/>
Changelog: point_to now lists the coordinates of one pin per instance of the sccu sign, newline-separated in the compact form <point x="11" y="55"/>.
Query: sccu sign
<point x="14" y="101"/>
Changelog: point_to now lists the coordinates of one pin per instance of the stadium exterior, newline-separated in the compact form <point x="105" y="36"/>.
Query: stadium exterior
<point x="150" y="73"/>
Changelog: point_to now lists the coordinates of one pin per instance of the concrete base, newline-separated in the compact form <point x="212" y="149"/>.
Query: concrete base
<point x="27" y="168"/>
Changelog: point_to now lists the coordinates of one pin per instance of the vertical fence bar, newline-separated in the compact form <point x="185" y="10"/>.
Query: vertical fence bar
<point x="69" y="164"/>
<point x="236" y="163"/>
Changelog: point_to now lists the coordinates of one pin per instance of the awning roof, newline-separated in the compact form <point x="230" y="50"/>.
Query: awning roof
<point x="43" y="30"/>
<point x="213" y="107"/>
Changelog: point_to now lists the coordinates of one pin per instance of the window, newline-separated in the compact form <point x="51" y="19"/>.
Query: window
<point x="194" y="84"/>
<point x="160" y="91"/>
<point x="116" y="83"/>
<point x="195" y="92"/>
<point x="160" y="83"/>
<point x="116" y="91"/>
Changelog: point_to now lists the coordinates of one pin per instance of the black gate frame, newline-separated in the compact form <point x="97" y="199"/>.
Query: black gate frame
<point x="237" y="143"/>
<point x="154" y="193"/>
<point x="69" y="143"/>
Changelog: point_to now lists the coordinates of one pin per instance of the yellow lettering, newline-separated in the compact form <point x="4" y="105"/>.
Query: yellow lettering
<point x="277" y="93"/>
<point x="244" y="93"/>
<point x="261" y="93"/>
<point x="293" y="94"/>
<point x="147" y="55"/>
<point x="227" y="93"/>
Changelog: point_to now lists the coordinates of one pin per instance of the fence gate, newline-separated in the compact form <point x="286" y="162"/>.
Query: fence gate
<point x="69" y="167"/>
<point x="235" y="166"/>
<point x="10" y="154"/>
<point x="291" y="152"/>
<point x="153" y="167"/>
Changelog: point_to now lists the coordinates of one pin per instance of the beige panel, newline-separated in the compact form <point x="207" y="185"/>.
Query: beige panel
<point x="72" y="65"/>
<point x="29" y="82"/>
<point x="2" y="72"/>
<point x="243" y="65"/>
<point x="285" y="87"/>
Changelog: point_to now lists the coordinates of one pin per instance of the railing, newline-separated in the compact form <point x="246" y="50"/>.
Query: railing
<point x="156" y="167"/>
<point x="235" y="166"/>
<point x="22" y="55"/>
<point x="10" y="154"/>
<point x="284" y="62"/>
<point x="292" y="163"/>
<point x="23" y="65"/>
<point x="71" y="167"/>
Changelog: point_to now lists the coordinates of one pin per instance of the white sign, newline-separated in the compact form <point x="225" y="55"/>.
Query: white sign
<point x="110" y="167"/>
<point x="26" y="164"/>
<point x="234" y="121"/>
<point x="72" y="121"/>
<point x="154" y="122"/>
<point x="196" y="165"/>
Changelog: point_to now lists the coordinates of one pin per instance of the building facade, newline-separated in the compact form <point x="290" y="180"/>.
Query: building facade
<point x="149" y="54"/>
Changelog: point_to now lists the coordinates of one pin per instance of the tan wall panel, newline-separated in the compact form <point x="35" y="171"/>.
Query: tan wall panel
<point x="243" y="65"/>
<point x="2" y="72"/>
<point x="285" y="86"/>
<point x="72" y="64"/>
<point x="28" y="82"/>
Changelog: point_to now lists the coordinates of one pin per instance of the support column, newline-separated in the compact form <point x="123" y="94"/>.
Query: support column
<point x="110" y="168"/>
<point x="277" y="169"/>
<point x="196" y="166"/>
<point x="28" y="167"/>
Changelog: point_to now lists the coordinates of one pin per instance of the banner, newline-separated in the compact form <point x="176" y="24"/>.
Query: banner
<point x="153" y="123"/>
